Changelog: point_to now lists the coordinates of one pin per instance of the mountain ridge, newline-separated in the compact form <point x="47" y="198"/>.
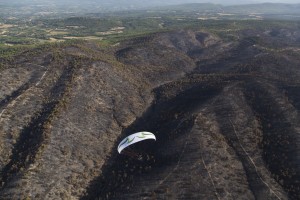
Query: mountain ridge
<point x="225" y="114"/>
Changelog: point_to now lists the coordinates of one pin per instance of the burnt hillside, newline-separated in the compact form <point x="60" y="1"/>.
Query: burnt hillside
<point x="225" y="113"/>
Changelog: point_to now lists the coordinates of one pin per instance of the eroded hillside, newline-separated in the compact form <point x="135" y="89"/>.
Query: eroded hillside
<point x="225" y="114"/>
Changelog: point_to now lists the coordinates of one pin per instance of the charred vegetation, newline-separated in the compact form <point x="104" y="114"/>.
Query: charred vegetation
<point x="225" y="114"/>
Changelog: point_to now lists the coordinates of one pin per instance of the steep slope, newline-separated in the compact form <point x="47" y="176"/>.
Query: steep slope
<point x="225" y="116"/>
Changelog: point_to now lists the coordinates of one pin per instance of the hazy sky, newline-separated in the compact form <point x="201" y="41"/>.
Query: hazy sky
<point x="128" y="4"/>
<point x="225" y="2"/>
<point x="279" y="1"/>
<point x="252" y="1"/>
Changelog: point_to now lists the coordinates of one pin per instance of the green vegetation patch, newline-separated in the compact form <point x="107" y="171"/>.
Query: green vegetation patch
<point x="112" y="28"/>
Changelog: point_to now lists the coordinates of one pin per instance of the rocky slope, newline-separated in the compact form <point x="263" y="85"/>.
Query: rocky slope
<point x="225" y="115"/>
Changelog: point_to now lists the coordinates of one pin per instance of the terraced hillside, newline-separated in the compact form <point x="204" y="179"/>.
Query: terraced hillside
<point x="225" y="113"/>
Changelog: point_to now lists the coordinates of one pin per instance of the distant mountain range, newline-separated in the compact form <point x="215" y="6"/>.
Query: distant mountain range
<point x="134" y="3"/>
<point x="263" y="8"/>
<point x="98" y="6"/>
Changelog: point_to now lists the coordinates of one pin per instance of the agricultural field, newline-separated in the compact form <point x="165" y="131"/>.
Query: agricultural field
<point x="39" y="28"/>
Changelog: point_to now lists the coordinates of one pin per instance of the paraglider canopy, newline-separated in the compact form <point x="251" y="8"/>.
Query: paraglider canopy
<point x="134" y="138"/>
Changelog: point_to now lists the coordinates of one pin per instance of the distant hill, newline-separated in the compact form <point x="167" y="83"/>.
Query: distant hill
<point x="122" y="4"/>
<point x="194" y="7"/>
<point x="266" y="8"/>
<point x="94" y="6"/>
<point x="263" y="8"/>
